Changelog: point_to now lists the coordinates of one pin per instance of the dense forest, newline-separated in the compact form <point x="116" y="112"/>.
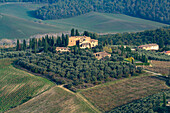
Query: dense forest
<point x="157" y="10"/>
<point x="160" y="36"/>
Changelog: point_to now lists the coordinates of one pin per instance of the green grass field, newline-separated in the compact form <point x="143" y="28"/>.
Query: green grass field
<point x="110" y="95"/>
<point x="16" y="86"/>
<point x="15" y="22"/>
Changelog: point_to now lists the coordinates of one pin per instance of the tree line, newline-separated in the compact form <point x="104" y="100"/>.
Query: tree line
<point x="43" y="44"/>
<point x="156" y="10"/>
<point x="160" y="36"/>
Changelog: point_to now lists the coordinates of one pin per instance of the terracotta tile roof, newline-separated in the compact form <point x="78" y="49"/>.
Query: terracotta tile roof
<point x="93" y="40"/>
<point x="167" y="52"/>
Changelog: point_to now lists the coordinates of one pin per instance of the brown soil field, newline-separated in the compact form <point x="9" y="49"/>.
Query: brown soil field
<point x="55" y="100"/>
<point x="162" y="67"/>
<point x="106" y="97"/>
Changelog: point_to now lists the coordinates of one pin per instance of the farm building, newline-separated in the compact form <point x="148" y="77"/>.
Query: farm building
<point x="62" y="49"/>
<point x="149" y="47"/>
<point x="82" y="41"/>
<point x="100" y="55"/>
<point x="167" y="52"/>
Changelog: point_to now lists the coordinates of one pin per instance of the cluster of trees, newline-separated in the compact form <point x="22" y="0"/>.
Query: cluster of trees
<point x="77" y="66"/>
<point x="63" y="9"/>
<point x="139" y="54"/>
<point x="156" y="10"/>
<point x="20" y="46"/>
<point x="160" y="36"/>
<point x="75" y="32"/>
<point x="148" y="104"/>
<point x="45" y="43"/>
<point x="85" y="33"/>
<point x="127" y="53"/>
<point x="152" y="55"/>
<point x="15" y="54"/>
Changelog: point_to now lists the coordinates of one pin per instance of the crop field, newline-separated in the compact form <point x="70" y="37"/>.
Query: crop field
<point x="162" y="67"/>
<point x="56" y="100"/>
<point x="108" y="96"/>
<point x="12" y="27"/>
<point x="17" y="86"/>
<point x="17" y="22"/>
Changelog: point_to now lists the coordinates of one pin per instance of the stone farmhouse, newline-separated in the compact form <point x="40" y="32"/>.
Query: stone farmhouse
<point x="101" y="55"/>
<point x="82" y="41"/>
<point x="62" y="49"/>
<point x="149" y="47"/>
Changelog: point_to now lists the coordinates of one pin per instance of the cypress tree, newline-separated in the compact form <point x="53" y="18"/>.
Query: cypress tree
<point x="54" y="49"/>
<point x="33" y="43"/>
<point x="45" y="46"/>
<point x="35" y="46"/>
<point x="52" y="41"/>
<point x="59" y="42"/>
<point x="86" y="33"/>
<point x="164" y="100"/>
<point x="72" y="32"/>
<point x="39" y="42"/>
<point x="24" y="45"/>
<point x="66" y="41"/>
<point x="18" y="44"/>
<point x="77" y="32"/>
<point x="43" y="41"/>
<point x="63" y="40"/>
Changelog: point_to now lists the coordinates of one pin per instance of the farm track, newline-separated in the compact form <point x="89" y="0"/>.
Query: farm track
<point x="154" y="73"/>
<point x="82" y="98"/>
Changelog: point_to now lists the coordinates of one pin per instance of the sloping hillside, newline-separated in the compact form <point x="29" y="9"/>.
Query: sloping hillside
<point x="17" y="86"/>
<point x="111" y="95"/>
<point x="35" y="94"/>
<point x="16" y="22"/>
<point x="13" y="27"/>
<point x="56" y="100"/>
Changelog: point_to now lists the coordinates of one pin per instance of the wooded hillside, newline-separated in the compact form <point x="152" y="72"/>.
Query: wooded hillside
<point x="156" y="10"/>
